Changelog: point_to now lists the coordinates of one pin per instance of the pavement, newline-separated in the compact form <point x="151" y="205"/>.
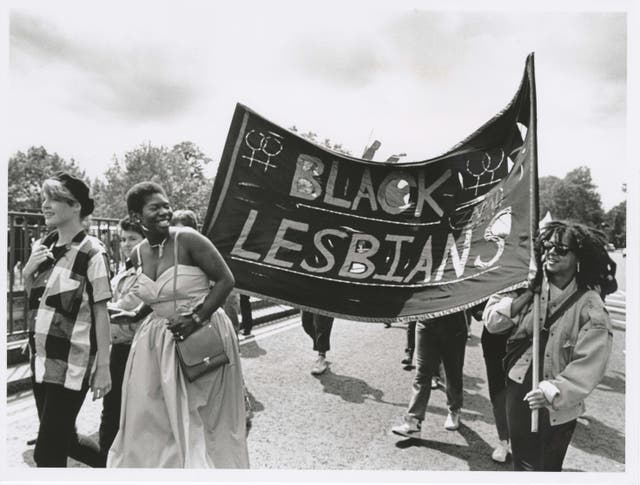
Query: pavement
<point x="342" y="419"/>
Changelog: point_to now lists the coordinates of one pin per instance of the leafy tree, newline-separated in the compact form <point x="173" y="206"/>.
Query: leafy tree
<point x="326" y="143"/>
<point x="575" y="198"/>
<point x="616" y="224"/>
<point x="180" y="171"/>
<point x="28" y="170"/>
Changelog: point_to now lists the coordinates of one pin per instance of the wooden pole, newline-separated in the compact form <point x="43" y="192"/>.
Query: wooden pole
<point x="535" y="374"/>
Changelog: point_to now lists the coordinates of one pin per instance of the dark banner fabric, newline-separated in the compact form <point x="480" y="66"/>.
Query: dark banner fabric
<point x="374" y="241"/>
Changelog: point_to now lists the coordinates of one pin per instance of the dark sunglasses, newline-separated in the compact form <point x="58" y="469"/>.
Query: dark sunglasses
<point x="561" y="249"/>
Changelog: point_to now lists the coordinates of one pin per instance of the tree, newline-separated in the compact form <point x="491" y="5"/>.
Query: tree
<point x="180" y="171"/>
<point x="575" y="198"/>
<point x="28" y="170"/>
<point x="326" y="143"/>
<point x="616" y="224"/>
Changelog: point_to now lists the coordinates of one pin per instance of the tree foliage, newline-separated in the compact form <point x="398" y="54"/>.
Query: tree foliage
<point x="179" y="170"/>
<point x="616" y="224"/>
<point x="574" y="198"/>
<point x="28" y="170"/>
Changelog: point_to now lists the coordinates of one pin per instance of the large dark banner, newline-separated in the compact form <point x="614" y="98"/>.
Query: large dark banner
<point x="364" y="240"/>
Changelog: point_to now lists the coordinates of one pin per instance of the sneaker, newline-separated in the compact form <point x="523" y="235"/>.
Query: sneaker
<point x="435" y="382"/>
<point x="501" y="451"/>
<point x="453" y="421"/>
<point x="408" y="358"/>
<point x="409" y="428"/>
<point x="320" y="366"/>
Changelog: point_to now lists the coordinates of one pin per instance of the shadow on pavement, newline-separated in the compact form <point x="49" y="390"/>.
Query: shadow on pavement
<point x="477" y="452"/>
<point x="251" y="350"/>
<point x="613" y="383"/>
<point x="597" y="438"/>
<point x="352" y="389"/>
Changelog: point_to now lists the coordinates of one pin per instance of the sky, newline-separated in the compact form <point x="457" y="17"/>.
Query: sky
<point x="91" y="81"/>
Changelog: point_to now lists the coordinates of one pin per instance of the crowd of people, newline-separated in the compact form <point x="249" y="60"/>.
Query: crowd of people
<point x="117" y="337"/>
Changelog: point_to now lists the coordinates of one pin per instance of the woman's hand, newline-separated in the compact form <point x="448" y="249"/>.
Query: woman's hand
<point x="101" y="382"/>
<point x="536" y="399"/>
<point x="182" y="326"/>
<point x="39" y="254"/>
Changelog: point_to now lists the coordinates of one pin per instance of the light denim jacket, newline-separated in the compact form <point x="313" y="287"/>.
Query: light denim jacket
<point x="577" y="351"/>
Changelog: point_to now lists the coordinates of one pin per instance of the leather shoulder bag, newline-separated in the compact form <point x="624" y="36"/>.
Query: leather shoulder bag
<point x="203" y="350"/>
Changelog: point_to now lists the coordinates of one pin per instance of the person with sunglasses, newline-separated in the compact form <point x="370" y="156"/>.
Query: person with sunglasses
<point x="575" y="341"/>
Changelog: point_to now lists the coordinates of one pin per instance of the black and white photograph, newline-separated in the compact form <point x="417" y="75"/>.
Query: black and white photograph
<point x="368" y="242"/>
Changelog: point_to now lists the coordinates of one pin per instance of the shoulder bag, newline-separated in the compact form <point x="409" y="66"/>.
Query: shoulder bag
<point x="203" y="350"/>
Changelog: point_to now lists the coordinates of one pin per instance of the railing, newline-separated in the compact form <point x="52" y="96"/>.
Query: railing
<point x="24" y="228"/>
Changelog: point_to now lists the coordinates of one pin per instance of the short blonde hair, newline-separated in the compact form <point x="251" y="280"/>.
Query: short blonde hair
<point x="55" y="190"/>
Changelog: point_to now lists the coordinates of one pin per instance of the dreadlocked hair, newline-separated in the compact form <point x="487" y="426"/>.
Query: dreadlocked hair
<point x="596" y="269"/>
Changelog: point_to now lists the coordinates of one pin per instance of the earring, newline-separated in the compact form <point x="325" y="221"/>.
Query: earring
<point x="578" y="267"/>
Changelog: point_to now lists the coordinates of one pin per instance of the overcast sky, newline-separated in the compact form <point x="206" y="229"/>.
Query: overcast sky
<point x="93" y="81"/>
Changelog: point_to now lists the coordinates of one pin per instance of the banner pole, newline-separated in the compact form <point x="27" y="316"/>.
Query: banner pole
<point x="535" y="218"/>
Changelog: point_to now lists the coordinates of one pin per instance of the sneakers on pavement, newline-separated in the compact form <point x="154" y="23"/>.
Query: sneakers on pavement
<point x="320" y="366"/>
<point x="501" y="451"/>
<point x="409" y="428"/>
<point x="452" y="422"/>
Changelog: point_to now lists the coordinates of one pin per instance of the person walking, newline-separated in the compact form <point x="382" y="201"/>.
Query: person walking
<point x="438" y="339"/>
<point x="318" y="327"/>
<point x="67" y="286"/>
<point x="123" y="308"/>
<point x="199" y="424"/>
<point x="575" y="342"/>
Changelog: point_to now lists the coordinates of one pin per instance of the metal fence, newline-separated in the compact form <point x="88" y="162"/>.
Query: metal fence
<point x="24" y="228"/>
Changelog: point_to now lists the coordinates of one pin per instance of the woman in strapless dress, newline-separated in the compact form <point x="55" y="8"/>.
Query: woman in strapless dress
<point x="166" y="421"/>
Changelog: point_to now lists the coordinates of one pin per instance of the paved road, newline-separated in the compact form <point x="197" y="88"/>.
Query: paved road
<point x="342" y="420"/>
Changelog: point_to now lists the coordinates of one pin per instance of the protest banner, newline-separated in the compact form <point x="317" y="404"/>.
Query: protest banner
<point x="303" y="225"/>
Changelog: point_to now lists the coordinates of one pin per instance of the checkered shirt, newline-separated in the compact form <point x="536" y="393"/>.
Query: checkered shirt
<point x="60" y="315"/>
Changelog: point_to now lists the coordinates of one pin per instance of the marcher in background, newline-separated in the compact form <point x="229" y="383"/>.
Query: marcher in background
<point x="493" y="351"/>
<point x="167" y="421"/>
<point x="185" y="218"/>
<point x="67" y="284"/>
<point x="438" y="379"/>
<point x="575" y="342"/>
<point x="318" y="327"/>
<point x="123" y="308"/>
<point x="439" y="339"/>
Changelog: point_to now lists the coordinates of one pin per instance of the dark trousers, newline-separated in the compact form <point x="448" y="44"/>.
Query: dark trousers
<point x="110" y="420"/>
<point x="441" y="339"/>
<point x="58" y="409"/>
<point x="411" y="338"/>
<point x="541" y="451"/>
<point x="493" y="351"/>
<point x="245" y="311"/>
<point x="318" y="327"/>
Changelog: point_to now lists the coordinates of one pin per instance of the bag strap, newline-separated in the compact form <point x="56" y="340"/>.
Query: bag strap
<point x="563" y="308"/>
<point x="175" y="271"/>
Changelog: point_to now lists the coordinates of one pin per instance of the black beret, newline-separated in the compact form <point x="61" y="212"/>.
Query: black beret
<point x="78" y="189"/>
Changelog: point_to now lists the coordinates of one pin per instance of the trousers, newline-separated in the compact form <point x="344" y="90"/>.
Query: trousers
<point x="541" y="451"/>
<point x="493" y="350"/>
<point x="110" y="419"/>
<point x="318" y="327"/>
<point x="440" y="339"/>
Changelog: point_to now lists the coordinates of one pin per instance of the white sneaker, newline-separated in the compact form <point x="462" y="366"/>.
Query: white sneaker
<point x="320" y="366"/>
<point x="452" y="422"/>
<point x="501" y="451"/>
<point x="410" y="427"/>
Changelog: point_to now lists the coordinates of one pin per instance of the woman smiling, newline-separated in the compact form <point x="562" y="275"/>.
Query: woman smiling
<point x="575" y="342"/>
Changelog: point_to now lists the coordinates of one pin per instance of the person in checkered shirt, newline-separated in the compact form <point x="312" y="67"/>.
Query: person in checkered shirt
<point x="67" y="285"/>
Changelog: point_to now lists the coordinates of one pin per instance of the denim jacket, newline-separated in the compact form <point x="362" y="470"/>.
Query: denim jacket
<point x="577" y="351"/>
